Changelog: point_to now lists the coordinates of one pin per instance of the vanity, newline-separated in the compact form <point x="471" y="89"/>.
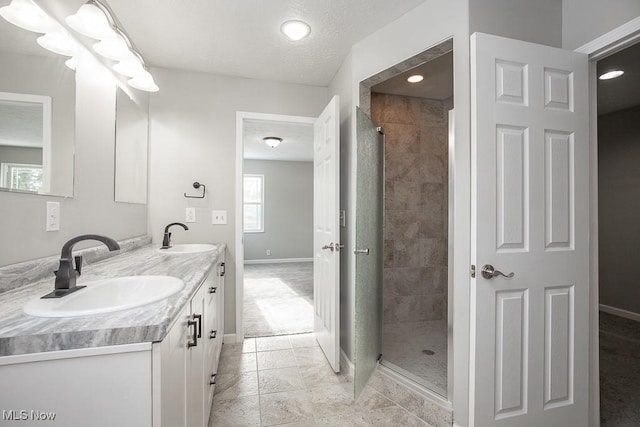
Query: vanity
<point x="152" y="365"/>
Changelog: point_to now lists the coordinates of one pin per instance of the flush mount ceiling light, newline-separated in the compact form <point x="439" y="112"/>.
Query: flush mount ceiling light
<point x="272" y="141"/>
<point x="611" y="75"/>
<point x="417" y="78"/>
<point x="95" y="20"/>
<point x="295" y="30"/>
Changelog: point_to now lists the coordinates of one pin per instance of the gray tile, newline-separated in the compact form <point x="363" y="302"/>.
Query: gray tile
<point x="310" y="356"/>
<point x="319" y="374"/>
<point x="273" y="343"/>
<point x="235" y="362"/>
<point x="357" y="419"/>
<point x="303" y="340"/>
<point x="276" y="359"/>
<point x="276" y="380"/>
<point x="332" y="400"/>
<point x="232" y="386"/>
<point x="394" y="416"/>
<point x="243" y="411"/>
<point x="285" y="407"/>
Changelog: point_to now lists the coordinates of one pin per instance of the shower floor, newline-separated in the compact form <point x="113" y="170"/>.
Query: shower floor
<point x="403" y="345"/>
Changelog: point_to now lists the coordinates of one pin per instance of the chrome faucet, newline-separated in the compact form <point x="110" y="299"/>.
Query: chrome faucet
<point x="166" y="240"/>
<point x="66" y="273"/>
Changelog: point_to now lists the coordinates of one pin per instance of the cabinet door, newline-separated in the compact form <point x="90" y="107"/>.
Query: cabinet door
<point x="197" y="383"/>
<point x="220" y="308"/>
<point x="212" y="332"/>
<point x="174" y="372"/>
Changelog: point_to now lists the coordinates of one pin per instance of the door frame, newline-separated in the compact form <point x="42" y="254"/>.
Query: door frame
<point x="241" y="116"/>
<point x="597" y="49"/>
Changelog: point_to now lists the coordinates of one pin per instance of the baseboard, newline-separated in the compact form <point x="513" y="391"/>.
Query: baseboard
<point x="620" y="312"/>
<point x="229" y="339"/>
<point x="346" y="366"/>
<point x="277" y="261"/>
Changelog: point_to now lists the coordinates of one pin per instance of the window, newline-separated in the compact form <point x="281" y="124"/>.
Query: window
<point x="21" y="176"/>
<point x="254" y="203"/>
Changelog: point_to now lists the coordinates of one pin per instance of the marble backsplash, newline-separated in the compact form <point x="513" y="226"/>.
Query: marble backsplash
<point x="416" y="206"/>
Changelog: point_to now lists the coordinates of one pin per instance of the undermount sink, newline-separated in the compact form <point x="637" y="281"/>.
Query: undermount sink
<point x="106" y="296"/>
<point x="187" y="248"/>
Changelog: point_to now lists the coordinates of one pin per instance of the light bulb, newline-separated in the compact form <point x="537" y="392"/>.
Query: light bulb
<point x="144" y="81"/>
<point x="415" y="78"/>
<point x="25" y="14"/>
<point x="91" y="21"/>
<point x="130" y="67"/>
<point x="58" y="42"/>
<point x="611" y="75"/>
<point x="113" y="48"/>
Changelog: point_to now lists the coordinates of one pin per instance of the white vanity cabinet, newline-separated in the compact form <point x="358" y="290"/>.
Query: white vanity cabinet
<point x="186" y="361"/>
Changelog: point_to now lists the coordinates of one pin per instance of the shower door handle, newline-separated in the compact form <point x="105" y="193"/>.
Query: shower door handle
<point x="361" y="251"/>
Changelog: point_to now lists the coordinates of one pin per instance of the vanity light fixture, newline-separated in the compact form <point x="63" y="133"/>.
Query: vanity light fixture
<point x="27" y="15"/>
<point x="417" y="78"/>
<point x="611" y="75"/>
<point x="72" y="63"/>
<point x="295" y="30"/>
<point x="95" y="20"/>
<point x="272" y="141"/>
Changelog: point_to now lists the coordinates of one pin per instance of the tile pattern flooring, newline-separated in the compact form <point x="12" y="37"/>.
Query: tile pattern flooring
<point x="278" y="299"/>
<point x="403" y="347"/>
<point x="286" y="380"/>
<point x="619" y="371"/>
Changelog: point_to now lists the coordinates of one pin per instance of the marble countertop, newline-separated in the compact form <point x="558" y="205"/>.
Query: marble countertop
<point x="21" y="333"/>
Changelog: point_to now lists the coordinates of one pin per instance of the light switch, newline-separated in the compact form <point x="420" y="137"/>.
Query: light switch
<point x="190" y="215"/>
<point x="53" y="216"/>
<point x="218" y="217"/>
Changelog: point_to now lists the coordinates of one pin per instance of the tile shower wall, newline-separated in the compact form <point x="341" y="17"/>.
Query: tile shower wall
<point x="416" y="206"/>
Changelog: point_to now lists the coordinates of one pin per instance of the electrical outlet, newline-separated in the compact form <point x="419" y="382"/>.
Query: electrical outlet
<point x="218" y="217"/>
<point x="268" y="252"/>
<point x="53" y="216"/>
<point x="190" y="215"/>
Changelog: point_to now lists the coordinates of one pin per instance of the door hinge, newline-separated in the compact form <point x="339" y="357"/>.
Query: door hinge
<point x="379" y="357"/>
<point x="473" y="271"/>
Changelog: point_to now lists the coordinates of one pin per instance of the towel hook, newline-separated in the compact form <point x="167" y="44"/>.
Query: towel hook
<point x="197" y="185"/>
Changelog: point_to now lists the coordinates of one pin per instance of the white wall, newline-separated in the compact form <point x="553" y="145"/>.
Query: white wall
<point x="193" y="138"/>
<point x="92" y="208"/>
<point x="586" y="20"/>
<point x="538" y="21"/>
<point x="288" y="211"/>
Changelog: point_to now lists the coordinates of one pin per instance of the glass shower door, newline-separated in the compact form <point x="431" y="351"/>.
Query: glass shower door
<point x="369" y="249"/>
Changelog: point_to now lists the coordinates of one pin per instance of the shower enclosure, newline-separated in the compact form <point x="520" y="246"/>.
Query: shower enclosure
<point x="402" y="309"/>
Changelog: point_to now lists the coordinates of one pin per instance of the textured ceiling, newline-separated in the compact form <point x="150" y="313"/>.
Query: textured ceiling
<point x="623" y="92"/>
<point x="243" y="38"/>
<point x="296" y="145"/>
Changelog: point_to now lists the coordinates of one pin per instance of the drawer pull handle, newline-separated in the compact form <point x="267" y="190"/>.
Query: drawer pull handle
<point x="213" y="334"/>
<point x="213" y="379"/>
<point x="212" y="290"/>
<point x="193" y="322"/>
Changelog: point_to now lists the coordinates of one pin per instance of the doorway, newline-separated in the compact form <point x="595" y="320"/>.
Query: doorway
<point x="618" y="130"/>
<point x="414" y="304"/>
<point x="278" y="226"/>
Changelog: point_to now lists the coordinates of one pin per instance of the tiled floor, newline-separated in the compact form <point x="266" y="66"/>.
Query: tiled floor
<point x="404" y="345"/>
<point x="278" y="299"/>
<point x="286" y="380"/>
<point x="619" y="371"/>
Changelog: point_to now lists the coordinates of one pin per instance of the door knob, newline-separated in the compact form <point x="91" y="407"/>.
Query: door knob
<point x="329" y="246"/>
<point x="488" y="272"/>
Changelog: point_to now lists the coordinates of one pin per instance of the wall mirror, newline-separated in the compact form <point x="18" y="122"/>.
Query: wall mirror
<point x="131" y="150"/>
<point x="37" y="116"/>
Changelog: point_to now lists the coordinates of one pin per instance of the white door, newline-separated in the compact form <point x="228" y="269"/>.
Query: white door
<point x="326" y="232"/>
<point x="530" y="160"/>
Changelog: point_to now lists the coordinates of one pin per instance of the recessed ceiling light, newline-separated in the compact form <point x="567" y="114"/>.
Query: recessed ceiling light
<point x="295" y="30"/>
<point x="611" y="75"/>
<point x="415" y="78"/>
